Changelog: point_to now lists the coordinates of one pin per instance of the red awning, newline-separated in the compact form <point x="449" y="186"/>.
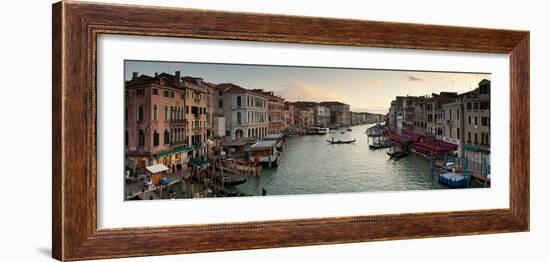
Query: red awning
<point x="438" y="146"/>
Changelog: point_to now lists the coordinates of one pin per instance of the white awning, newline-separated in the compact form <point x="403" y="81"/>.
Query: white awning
<point x="157" y="168"/>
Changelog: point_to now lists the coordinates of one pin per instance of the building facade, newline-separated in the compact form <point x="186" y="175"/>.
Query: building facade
<point x="154" y="120"/>
<point x="303" y="117"/>
<point x="453" y="123"/>
<point x="245" y="111"/>
<point x="477" y="116"/>
<point x="339" y="113"/>
<point x="288" y="114"/>
<point x="321" y="116"/>
<point x="275" y="107"/>
<point x="196" y="109"/>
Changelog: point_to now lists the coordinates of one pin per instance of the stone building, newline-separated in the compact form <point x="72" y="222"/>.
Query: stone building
<point x="339" y="113"/>
<point x="453" y="123"/>
<point x="197" y="105"/>
<point x="477" y="124"/>
<point x="275" y="106"/>
<point x="245" y="111"/>
<point x="303" y="117"/>
<point x="321" y="116"/>
<point x="154" y="120"/>
<point x="419" y="125"/>
<point x="288" y="115"/>
<point x="435" y="119"/>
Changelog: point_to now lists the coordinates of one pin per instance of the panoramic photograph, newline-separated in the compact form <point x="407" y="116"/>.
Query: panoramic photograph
<point x="204" y="130"/>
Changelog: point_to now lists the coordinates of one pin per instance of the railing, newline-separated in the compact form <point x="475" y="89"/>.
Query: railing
<point x="198" y="130"/>
<point x="239" y="107"/>
<point x="178" y="143"/>
<point x="175" y="121"/>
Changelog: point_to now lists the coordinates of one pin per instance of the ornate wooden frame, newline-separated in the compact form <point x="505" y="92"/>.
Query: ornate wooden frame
<point x="76" y="26"/>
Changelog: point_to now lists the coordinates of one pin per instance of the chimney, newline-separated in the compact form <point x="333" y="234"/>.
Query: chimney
<point x="177" y="79"/>
<point x="134" y="75"/>
<point x="156" y="74"/>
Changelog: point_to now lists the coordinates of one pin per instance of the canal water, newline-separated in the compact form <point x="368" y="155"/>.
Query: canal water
<point x="310" y="165"/>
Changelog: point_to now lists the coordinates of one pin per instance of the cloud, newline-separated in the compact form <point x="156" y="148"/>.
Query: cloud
<point x="300" y="91"/>
<point x="414" y="78"/>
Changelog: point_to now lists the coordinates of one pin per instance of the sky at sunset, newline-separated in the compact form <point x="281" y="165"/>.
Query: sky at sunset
<point x="365" y="90"/>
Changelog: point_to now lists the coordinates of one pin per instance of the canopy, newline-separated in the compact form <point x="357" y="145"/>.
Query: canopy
<point x="274" y="136"/>
<point x="263" y="144"/>
<point x="164" y="181"/>
<point x="439" y="147"/>
<point x="197" y="161"/>
<point x="157" y="168"/>
<point x="240" y="142"/>
<point x="175" y="150"/>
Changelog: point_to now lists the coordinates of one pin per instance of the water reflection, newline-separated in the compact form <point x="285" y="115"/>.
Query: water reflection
<point x="310" y="165"/>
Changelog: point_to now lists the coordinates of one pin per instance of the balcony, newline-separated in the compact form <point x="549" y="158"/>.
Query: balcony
<point x="177" y="121"/>
<point x="198" y="130"/>
<point x="178" y="143"/>
<point x="234" y="107"/>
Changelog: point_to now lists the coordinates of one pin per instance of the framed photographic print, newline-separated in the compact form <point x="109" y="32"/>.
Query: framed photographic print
<point x="194" y="131"/>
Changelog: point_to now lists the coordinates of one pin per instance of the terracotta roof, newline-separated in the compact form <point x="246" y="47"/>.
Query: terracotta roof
<point x="332" y="103"/>
<point x="302" y="104"/>
<point x="267" y="94"/>
<point x="231" y="88"/>
<point x="140" y="79"/>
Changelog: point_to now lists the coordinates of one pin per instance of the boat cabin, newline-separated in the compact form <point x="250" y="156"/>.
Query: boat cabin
<point x="278" y="138"/>
<point x="265" y="151"/>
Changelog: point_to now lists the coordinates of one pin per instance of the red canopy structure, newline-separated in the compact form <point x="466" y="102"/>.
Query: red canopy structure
<point x="436" y="147"/>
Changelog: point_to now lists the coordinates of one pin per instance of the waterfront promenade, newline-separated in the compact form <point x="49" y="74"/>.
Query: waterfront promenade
<point x="139" y="187"/>
<point x="311" y="165"/>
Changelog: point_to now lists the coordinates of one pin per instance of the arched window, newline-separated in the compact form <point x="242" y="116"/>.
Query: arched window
<point x="165" y="113"/>
<point x="155" y="113"/>
<point x="166" y="137"/>
<point x="156" y="138"/>
<point x="238" y="101"/>
<point x="125" y="138"/>
<point x="141" y="138"/>
<point x="239" y="118"/>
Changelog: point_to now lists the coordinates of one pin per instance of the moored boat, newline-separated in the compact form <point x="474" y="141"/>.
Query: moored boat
<point x="265" y="152"/>
<point x="340" y="141"/>
<point x="377" y="130"/>
<point x="397" y="155"/>
<point x="452" y="179"/>
<point x="317" y="130"/>
<point x="380" y="145"/>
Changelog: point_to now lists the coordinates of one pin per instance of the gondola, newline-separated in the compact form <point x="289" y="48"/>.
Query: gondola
<point x="397" y="155"/>
<point x="381" y="145"/>
<point x="341" y="142"/>
<point x="231" y="180"/>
